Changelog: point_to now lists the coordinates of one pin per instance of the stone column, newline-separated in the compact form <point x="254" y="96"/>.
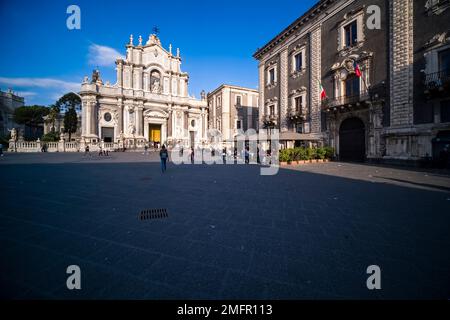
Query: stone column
<point x="401" y="62"/>
<point x="88" y="118"/>
<point x="137" y="120"/>
<point x="119" y="73"/>
<point x="284" y="77"/>
<point x="316" y="78"/>
<point x="226" y="114"/>
<point x="169" y="124"/>
<point x="120" y="117"/>
<point x="261" y="95"/>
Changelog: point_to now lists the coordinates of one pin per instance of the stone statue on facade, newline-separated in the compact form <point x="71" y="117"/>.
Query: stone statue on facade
<point x="13" y="134"/>
<point x="155" y="86"/>
<point x="131" y="128"/>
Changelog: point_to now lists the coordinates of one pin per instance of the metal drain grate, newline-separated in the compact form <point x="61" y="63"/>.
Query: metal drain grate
<point x="153" y="214"/>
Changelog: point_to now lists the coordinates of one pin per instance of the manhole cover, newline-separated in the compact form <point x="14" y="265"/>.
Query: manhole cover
<point x="153" y="214"/>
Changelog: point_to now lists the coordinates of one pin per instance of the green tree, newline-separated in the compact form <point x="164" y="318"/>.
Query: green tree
<point x="69" y="100"/>
<point x="70" y="121"/>
<point x="31" y="116"/>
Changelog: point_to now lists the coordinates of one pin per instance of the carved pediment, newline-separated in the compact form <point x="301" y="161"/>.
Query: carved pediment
<point x="437" y="6"/>
<point x="156" y="114"/>
<point x="297" y="91"/>
<point x="438" y="40"/>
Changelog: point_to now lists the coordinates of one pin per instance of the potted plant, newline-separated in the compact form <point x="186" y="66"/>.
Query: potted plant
<point x="320" y="154"/>
<point x="310" y="154"/>
<point x="284" y="157"/>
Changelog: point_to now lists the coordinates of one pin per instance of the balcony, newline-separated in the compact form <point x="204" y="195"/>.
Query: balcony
<point x="346" y="102"/>
<point x="296" y="115"/>
<point x="437" y="84"/>
<point x="270" y="120"/>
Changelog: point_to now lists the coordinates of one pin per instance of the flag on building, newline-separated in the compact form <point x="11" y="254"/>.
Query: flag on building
<point x="358" y="70"/>
<point x="323" y="94"/>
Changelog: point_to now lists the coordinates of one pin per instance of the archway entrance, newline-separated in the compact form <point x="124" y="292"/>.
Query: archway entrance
<point x="154" y="132"/>
<point x="352" y="140"/>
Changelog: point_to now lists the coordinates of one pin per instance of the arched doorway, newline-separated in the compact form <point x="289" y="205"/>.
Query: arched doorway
<point x="352" y="140"/>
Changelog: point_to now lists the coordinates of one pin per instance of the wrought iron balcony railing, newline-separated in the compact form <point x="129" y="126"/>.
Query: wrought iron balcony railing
<point x="296" y="114"/>
<point x="342" y="101"/>
<point x="437" y="81"/>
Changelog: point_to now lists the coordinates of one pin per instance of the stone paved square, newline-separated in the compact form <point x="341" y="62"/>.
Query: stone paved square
<point x="308" y="232"/>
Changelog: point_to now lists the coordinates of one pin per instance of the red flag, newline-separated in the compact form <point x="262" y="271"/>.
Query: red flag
<point x="358" y="71"/>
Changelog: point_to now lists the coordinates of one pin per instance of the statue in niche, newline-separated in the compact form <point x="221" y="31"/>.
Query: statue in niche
<point x="131" y="128"/>
<point x="155" y="86"/>
<point x="155" y="81"/>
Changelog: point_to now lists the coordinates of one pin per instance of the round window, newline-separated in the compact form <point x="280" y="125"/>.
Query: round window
<point x="107" y="117"/>
<point x="192" y="123"/>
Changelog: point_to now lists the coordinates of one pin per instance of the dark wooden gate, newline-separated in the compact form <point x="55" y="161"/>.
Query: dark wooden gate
<point x="352" y="140"/>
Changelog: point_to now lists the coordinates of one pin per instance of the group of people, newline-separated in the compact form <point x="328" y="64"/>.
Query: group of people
<point x="101" y="151"/>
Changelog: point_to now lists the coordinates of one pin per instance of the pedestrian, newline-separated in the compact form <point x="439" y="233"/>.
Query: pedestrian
<point x="107" y="152"/>
<point x="145" y="150"/>
<point x="1" y="150"/>
<point x="192" y="155"/>
<point x="86" y="151"/>
<point x="224" y="155"/>
<point x="247" y="155"/>
<point x="100" y="152"/>
<point x="164" y="155"/>
<point x="258" y="160"/>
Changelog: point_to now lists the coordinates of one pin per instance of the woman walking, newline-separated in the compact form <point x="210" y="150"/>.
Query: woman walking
<point x="164" y="155"/>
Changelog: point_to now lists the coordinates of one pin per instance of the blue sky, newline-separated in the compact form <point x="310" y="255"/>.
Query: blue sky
<point x="41" y="59"/>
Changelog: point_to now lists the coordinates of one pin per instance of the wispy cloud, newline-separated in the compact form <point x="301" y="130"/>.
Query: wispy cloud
<point x="47" y="83"/>
<point x="26" y="94"/>
<point x="102" y="55"/>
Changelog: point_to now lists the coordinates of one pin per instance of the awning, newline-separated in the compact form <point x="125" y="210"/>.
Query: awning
<point x="294" y="136"/>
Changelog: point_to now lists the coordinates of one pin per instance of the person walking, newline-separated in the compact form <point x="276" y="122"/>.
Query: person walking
<point x="145" y="150"/>
<point x="164" y="155"/>
<point x="86" y="151"/>
<point x="192" y="155"/>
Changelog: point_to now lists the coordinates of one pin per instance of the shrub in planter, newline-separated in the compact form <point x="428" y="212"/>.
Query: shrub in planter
<point x="329" y="153"/>
<point x="310" y="154"/>
<point x="321" y="153"/>
<point x="284" y="156"/>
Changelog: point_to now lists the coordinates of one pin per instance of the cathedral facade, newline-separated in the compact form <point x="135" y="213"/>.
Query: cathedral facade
<point x="148" y="104"/>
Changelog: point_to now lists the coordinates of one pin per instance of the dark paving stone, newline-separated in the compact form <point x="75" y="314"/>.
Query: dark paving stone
<point x="309" y="232"/>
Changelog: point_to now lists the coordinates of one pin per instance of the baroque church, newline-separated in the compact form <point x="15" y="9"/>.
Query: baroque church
<point x="149" y="103"/>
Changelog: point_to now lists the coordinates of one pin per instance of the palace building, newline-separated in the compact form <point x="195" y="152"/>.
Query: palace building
<point x="149" y="103"/>
<point x="373" y="91"/>
<point x="232" y="110"/>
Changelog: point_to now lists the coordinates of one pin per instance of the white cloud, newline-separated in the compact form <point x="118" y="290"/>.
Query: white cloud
<point x="102" y="55"/>
<point x="26" y="94"/>
<point x="46" y="83"/>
